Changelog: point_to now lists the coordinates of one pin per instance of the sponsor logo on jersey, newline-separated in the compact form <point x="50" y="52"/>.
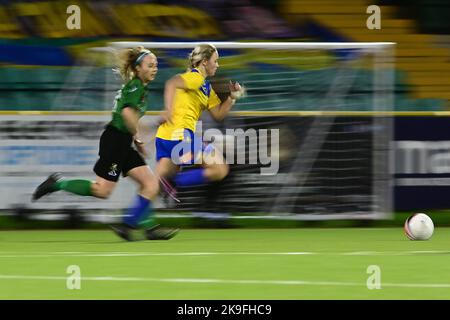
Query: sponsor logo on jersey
<point x="113" y="170"/>
<point x="206" y="88"/>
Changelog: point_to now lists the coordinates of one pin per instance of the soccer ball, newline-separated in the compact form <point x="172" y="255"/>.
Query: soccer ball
<point x="419" y="226"/>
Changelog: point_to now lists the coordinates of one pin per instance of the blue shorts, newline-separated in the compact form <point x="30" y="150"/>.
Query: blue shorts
<point x="177" y="149"/>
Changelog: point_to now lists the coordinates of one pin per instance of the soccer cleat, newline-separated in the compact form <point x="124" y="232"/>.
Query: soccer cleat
<point x="46" y="187"/>
<point x="123" y="231"/>
<point x="158" y="233"/>
<point x="169" y="189"/>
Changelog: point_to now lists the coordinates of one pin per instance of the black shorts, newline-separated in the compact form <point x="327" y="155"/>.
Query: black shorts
<point x="116" y="155"/>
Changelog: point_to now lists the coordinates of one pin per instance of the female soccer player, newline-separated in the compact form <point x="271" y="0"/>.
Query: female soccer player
<point x="186" y="96"/>
<point x="138" y="67"/>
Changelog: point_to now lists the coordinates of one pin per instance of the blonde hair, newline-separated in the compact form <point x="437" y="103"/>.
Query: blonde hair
<point x="201" y="52"/>
<point x="128" y="60"/>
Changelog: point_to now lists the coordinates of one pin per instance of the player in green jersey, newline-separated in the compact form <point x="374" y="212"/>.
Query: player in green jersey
<point x="138" y="67"/>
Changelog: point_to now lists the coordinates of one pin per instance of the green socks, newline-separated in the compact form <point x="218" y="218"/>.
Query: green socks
<point x="80" y="187"/>
<point x="147" y="223"/>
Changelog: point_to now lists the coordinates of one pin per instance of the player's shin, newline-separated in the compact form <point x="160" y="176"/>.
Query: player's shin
<point x="80" y="187"/>
<point x="139" y="214"/>
<point x="191" y="178"/>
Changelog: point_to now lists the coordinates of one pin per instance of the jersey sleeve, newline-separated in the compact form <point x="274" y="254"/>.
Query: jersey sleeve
<point x="131" y="95"/>
<point x="192" y="80"/>
<point x="213" y="100"/>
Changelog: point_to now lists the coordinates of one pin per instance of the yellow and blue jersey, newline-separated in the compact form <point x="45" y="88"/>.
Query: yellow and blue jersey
<point x="188" y="105"/>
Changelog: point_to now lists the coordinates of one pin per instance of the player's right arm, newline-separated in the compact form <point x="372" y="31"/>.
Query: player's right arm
<point x="131" y="96"/>
<point x="131" y="118"/>
<point x="174" y="83"/>
<point x="185" y="81"/>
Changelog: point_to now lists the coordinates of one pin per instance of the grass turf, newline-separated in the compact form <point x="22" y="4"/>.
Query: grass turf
<point x="226" y="264"/>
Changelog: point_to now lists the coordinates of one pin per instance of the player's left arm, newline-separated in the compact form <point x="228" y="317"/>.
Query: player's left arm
<point x="220" y="111"/>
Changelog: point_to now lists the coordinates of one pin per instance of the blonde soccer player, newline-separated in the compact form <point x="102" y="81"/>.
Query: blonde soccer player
<point x="137" y="67"/>
<point x="186" y="96"/>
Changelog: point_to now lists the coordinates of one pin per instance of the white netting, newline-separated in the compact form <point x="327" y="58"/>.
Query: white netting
<point x="290" y="76"/>
<point x="333" y="163"/>
<point x="328" y="101"/>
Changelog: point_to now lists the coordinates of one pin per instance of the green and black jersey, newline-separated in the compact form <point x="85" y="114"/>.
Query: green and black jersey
<point x="132" y="94"/>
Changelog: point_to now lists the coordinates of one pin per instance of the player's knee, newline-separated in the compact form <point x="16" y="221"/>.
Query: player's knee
<point x="224" y="169"/>
<point x="105" y="194"/>
<point x="150" y="189"/>
<point x="102" y="193"/>
<point x="220" y="172"/>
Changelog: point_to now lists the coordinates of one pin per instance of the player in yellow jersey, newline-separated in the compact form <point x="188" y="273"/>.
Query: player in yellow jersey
<point x="186" y="96"/>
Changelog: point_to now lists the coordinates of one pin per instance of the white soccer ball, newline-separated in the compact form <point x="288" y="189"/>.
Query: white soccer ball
<point x="419" y="226"/>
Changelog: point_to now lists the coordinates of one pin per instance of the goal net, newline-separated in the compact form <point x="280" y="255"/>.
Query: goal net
<point x="324" y="110"/>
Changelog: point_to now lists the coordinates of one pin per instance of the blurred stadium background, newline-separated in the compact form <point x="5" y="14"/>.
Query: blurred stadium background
<point x="364" y="137"/>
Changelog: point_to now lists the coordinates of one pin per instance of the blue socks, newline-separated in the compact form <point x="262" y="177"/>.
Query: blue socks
<point x="191" y="177"/>
<point x="139" y="214"/>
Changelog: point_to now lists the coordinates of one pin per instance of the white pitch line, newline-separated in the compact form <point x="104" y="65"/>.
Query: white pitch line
<point x="140" y="254"/>
<point x="13" y="254"/>
<point x="392" y="253"/>
<point x="228" y="281"/>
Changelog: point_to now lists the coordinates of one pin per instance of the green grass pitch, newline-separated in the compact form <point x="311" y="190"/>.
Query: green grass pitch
<point x="226" y="264"/>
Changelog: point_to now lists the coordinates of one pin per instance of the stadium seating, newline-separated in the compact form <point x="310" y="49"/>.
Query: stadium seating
<point x="426" y="64"/>
<point x="35" y="88"/>
<point x="422" y="78"/>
